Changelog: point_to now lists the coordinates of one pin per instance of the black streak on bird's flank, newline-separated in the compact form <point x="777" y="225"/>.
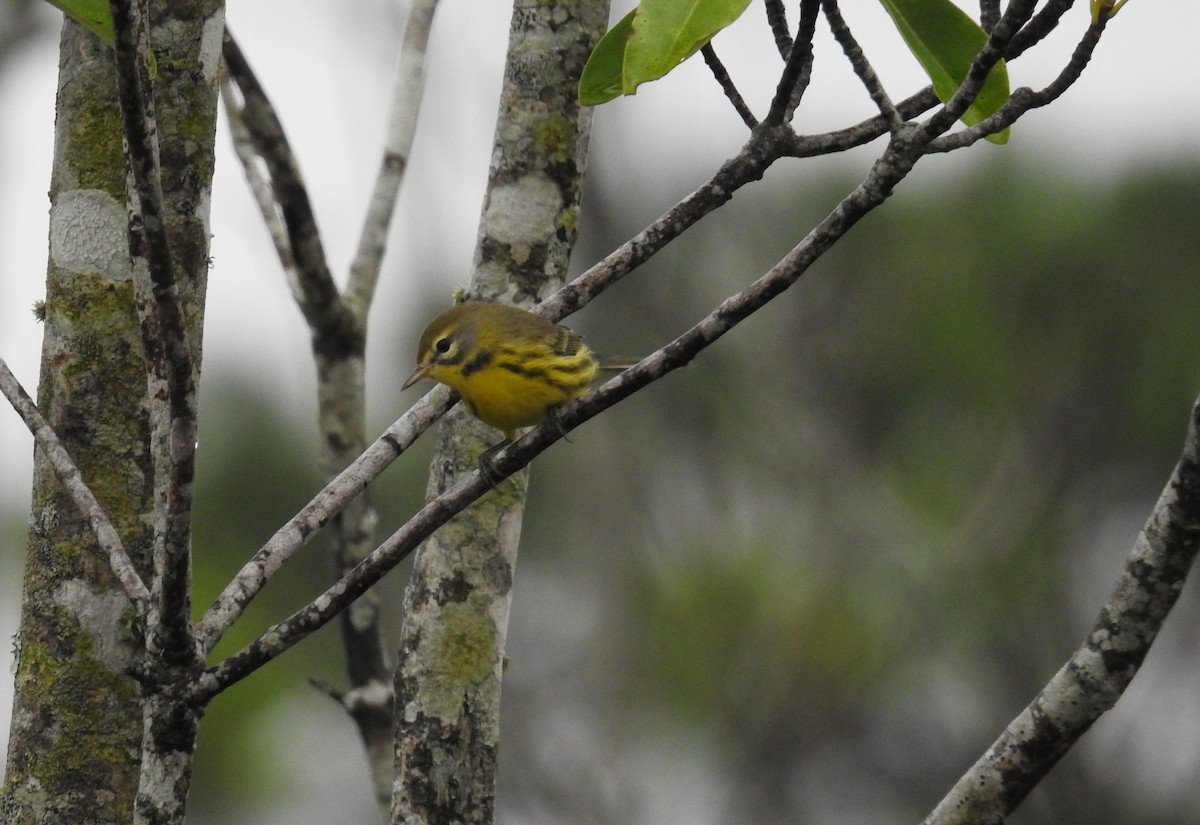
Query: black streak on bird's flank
<point x="519" y="369"/>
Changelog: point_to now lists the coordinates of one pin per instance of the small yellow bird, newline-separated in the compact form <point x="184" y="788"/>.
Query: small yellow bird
<point x="510" y="366"/>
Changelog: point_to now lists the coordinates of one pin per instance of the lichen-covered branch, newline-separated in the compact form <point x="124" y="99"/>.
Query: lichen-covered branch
<point x="106" y="535"/>
<point x="260" y="185"/>
<point x="407" y="91"/>
<point x="165" y="338"/>
<point x="291" y="537"/>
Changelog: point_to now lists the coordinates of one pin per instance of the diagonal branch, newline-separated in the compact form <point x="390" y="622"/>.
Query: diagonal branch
<point x="335" y="329"/>
<point x="858" y="61"/>
<point x="254" y="575"/>
<point x="777" y="20"/>
<point x="1024" y="100"/>
<point x="763" y="149"/>
<point x="256" y="572"/>
<point x="726" y="83"/>
<point x="1040" y="25"/>
<point x="260" y="185"/>
<point x="106" y="535"/>
<point x="798" y="69"/>
<point x="1015" y="16"/>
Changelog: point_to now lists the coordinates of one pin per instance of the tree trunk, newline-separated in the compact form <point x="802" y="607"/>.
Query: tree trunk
<point x="456" y="606"/>
<point x="74" y="749"/>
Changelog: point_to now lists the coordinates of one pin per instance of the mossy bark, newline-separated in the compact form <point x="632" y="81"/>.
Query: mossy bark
<point x="74" y="749"/>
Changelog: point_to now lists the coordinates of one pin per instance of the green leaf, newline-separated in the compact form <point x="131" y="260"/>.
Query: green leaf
<point x="600" y="81"/>
<point x="945" y="40"/>
<point x="667" y="32"/>
<point x="649" y="42"/>
<point x="96" y="17"/>
<point x="93" y="15"/>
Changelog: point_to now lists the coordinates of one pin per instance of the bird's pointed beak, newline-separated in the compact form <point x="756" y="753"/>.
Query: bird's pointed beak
<point x="420" y="372"/>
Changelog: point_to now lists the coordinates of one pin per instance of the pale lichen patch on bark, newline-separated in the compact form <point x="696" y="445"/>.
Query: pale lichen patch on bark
<point x="96" y="614"/>
<point x="87" y="234"/>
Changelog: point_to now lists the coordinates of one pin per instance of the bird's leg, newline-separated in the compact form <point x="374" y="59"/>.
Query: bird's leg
<point x="487" y="466"/>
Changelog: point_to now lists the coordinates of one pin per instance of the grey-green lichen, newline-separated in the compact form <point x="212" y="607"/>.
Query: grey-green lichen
<point x="555" y="138"/>
<point x="460" y="652"/>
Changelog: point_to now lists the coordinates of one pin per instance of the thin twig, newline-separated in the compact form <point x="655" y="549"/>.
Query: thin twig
<point x="777" y="20"/>
<point x="989" y="14"/>
<point x="749" y="165"/>
<point x="839" y="140"/>
<point x="334" y="327"/>
<point x="165" y="338"/>
<point x="1023" y="100"/>
<point x="72" y="480"/>
<point x="1040" y="25"/>
<point x="1098" y="673"/>
<point x="858" y="60"/>
<point x="726" y="82"/>
<point x="260" y="186"/>
<point x="1014" y="17"/>
<point x="796" y="72"/>
<point x="402" y="126"/>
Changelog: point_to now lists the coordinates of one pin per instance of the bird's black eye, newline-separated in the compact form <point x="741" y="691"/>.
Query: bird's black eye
<point x="442" y="346"/>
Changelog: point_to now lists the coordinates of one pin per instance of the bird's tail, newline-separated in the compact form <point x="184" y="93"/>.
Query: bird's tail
<point x="616" y="363"/>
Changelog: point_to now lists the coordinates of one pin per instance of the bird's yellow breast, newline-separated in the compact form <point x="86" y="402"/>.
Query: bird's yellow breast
<point x="509" y="390"/>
